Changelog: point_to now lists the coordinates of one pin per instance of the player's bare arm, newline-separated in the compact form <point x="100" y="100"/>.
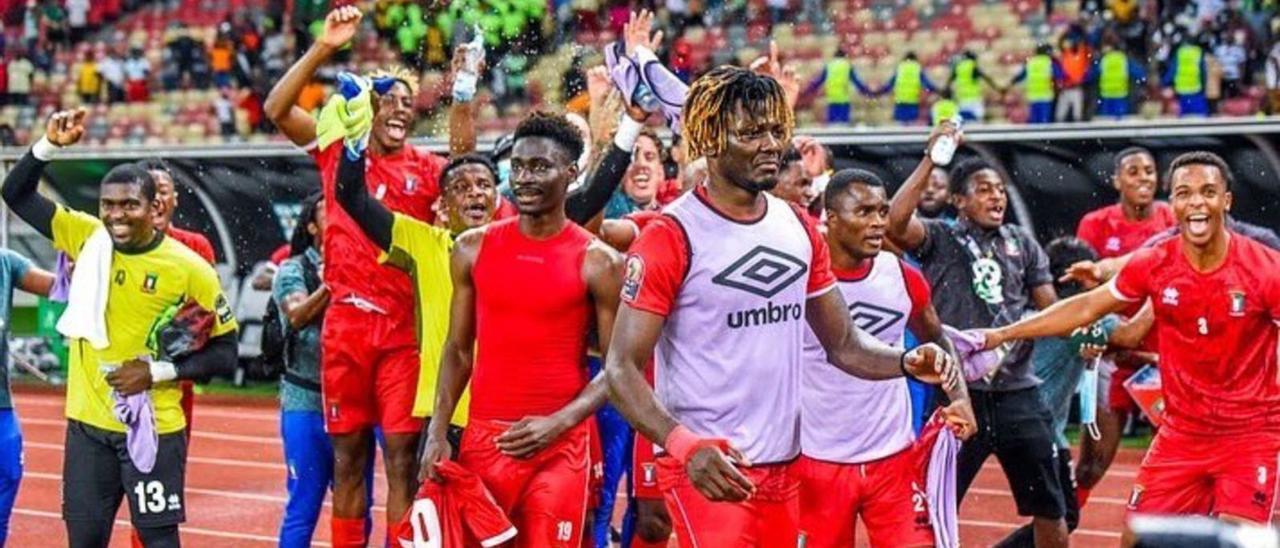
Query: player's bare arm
<point x="861" y="355"/>
<point x="37" y="281"/>
<point x="1059" y="319"/>
<point x="281" y="105"/>
<point x="302" y="309"/>
<point x="602" y="271"/>
<point x="1096" y="272"/>
<point x="708" y="465"/>
<point x="959" y="413"/>
<point x="905" y="229"/>
<point x="458" y="355"/>
<point x="619" y="233"/>
<point x="1130" y="333"/>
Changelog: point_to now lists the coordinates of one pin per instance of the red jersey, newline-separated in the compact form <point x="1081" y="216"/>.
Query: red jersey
<point x="532" y="317"/>
<point x="1113" y="235"/>
<point x="406" y="181"/>
<point x="455" y="514"/>
<point x="194" y="241"/>
<point x="1217" y="334"/>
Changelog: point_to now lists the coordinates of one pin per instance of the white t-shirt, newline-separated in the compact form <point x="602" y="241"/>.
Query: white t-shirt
<point x="77" y="13"/>
<point x="137" y="68"/>
<point x="112" y="70"/>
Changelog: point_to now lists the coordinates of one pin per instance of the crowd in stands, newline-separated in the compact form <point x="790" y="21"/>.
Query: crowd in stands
<point x="196" y="71"/>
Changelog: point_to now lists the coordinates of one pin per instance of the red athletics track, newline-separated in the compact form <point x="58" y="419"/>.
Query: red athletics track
<point x="235" y="483"/>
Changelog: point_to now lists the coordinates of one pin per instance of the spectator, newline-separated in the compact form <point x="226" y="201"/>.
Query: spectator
<point x="409" y="36"/>
<point x="1272" y="75"/>
<point x="137" y="71"/>
<point x="111" y="69"/>
<point x="224" y="110"/>
<point x="1115" y="73"/>
<point x="835" y="80"/>
<point x="89" y="84"/>
<point x="1077" y="57"/>
<point x="906" y="84"/>
<point x="19" y="79"/>
<point x="55" y="21"/>
<point x="221" y="57"/>
<point x="1187" y="76"/>
<point x="77" y="18"/>
<point x="31" y="25"/>
<point x="935" y="201"/>
<point x="944" y="107"/>
<point x="1232" y="55"/>
<point x="966" y="86"/>
<point x="276" y="55"/>
<point x="1040" y="72"/>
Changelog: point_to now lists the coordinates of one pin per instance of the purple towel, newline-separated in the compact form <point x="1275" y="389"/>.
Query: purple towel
<point x="140" y="422"/>
<point x="977" y="362"/>
<point x="940" y="486"/>
<point x="61" y="280"/>
<point x="629" y="73"/>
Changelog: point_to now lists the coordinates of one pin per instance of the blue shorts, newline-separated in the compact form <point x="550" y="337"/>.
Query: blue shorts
<point x="615" y="441"/>
<point x="906" y="113"/>
<point x="1115" y="108"/>
<point x="10" y="467"/>
<point x="1193" y="105"/>
<point x="1041" y="112"/>
<point x="308" y="455"/>
<point x="838" y="113"/>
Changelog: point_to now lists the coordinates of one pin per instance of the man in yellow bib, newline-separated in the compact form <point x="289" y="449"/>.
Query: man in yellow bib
<point x="130" y="280"/>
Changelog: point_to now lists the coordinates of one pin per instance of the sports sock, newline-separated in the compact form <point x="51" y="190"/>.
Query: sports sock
<point x="1082" y="496"/>
<point x="347" y="532"/>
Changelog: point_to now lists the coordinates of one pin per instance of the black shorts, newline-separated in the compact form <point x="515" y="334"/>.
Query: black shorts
<point x="1015" y="427"/>
<point x="97" y="472"/>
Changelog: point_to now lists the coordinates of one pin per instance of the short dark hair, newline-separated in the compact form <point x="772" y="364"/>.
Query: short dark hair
<point x="843" y="179"/>
<point x="963" y="170"/>
<point x="1202" y="158"/>
<point x="555" y="127"/>
<point x="1127" y="152"/>
<point x="132" y="174"/>
<point x="301" y="239"/>
<point x="1064" y="252"/>
<point x="791" y="156"/>
<point x="470" y="158"/>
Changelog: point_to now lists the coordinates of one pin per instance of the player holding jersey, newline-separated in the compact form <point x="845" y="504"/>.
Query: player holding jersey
<point x="1211" y="288"/>
<point x="719" y="291"/>
<point x="856" y="435"/>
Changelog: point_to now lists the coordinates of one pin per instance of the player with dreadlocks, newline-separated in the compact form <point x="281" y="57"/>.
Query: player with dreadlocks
<point x="369" y="350"/>
<point x="719" y="290"/>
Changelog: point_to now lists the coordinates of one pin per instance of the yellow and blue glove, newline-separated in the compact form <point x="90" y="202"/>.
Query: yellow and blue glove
<point x="355" y="112"/>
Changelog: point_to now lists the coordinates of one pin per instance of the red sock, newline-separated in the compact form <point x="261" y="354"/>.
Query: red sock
<point x="134" y="540"/>
<point x="638" y="542"/>
<point x="1082" y="496"/>
<point x="347" y="532"/>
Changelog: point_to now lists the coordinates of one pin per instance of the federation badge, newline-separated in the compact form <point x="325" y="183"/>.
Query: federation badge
<point x="223" y="309"/>
<point x="410" y="184"/>
<point x="1237" y="303"/>
<point x="650" y="473"/>
<point x="633" y="277"/>
<point x="1134" y="496"/>
<point x="149" y="283"/>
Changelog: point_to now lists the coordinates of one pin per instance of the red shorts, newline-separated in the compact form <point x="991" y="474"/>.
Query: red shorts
<point x="1118" y="399"/>
<point x="368" y="373"/>
<point x="596" y="455"/>
<point x="888" y="494"/>
<point x="1208" y="475"/>
<point x="644" y="470"/>
<point x="769" y="518"/>
<point x="546" y="495"/>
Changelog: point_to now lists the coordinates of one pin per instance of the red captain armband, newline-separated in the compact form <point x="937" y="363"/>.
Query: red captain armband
<point x="682" y="443"/>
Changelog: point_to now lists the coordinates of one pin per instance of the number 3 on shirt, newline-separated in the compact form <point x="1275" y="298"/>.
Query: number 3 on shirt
<point x="1203" y="325"/>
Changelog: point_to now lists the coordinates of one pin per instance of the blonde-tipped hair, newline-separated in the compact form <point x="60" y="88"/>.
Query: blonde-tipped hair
<point x="713" y="100"/>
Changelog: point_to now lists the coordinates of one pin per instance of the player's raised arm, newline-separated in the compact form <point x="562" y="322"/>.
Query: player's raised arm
<point x="905" y="229"/>
<point x="462" y="114"/>
<point x="64" y="129"/>
<point x="1060" y="318"/>
<point x="281" y="105"/>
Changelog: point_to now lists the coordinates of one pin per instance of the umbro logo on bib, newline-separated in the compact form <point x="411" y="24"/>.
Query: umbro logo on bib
<point x="762" y="272"/>
<point x="873" y="319"/>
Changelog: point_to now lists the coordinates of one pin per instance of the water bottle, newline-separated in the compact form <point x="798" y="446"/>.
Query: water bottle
<point x="464" y="83"/>
<point x="644" y="98"/>
<point x="944" y="149"/>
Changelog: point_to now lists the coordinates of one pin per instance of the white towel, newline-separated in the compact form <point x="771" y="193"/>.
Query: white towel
<point x="86" y="313"/>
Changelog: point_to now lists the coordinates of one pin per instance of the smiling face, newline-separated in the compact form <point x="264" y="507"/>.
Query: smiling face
<point x="541" y="171"/>
<point x="646" y="172"/>
<point x="858" y="219"/>
<point x="166" y="196"/>
<point x="752" y="155"/>
<point x="1136" y="180"/>
<point x="127" y="214"/>
<point x="984" y="200"/>
<point x="470" y="197"/>
<point x="1200" y="201"/>
<point x="393" y="115"/>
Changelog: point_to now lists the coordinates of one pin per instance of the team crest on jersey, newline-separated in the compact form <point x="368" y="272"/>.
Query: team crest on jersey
<point x="650" y="473"/>
<point x="223" y="309"/>
<point x="1134" y="496"/>
<point x="1237" y="303"/>
<point x="119" y="277"/>
<point x="149" y="283"/>
<point x="633" y="277"/>
<point x="1169" y="296"/>
<point x="410" y="184"/>
<point x="1113" y="244"/>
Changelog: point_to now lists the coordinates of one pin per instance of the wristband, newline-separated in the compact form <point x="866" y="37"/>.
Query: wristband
<point x="163" y="371"/>
<point x="627" y="134"/>
<point x="44" y="149"/>
<point x="681" y="444"/>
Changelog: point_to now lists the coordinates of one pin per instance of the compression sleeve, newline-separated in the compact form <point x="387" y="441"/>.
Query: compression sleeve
<point x="19" y="192"/>
<point x="590" y="199"/>
<point x="372" y="217"/>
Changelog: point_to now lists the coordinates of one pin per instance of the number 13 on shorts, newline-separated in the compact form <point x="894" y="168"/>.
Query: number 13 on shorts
<point x="152" y="498"/>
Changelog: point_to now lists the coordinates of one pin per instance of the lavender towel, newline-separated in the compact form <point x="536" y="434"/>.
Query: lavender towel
<point x="629" y="73"/>
<point x="61" y="280"/>
<point x="940" y="488"/>
<point x="140" y="435"/>
<point x="977" y="362"/>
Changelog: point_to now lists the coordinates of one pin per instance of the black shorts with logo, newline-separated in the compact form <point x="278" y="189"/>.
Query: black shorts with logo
<point x="97" y="472"/>
<point x="1015" y="427"/>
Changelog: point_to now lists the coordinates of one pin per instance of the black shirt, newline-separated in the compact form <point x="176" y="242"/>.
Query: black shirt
<point x="947" y="256"/>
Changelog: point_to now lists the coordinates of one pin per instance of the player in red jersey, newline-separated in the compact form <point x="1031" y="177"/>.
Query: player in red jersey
<point x="1211" y="288"/>
<point x="370" y="349"/>
<point x="525" y="291"/>
<point x="716" y="290"/>
<point x="1113" y="231"/>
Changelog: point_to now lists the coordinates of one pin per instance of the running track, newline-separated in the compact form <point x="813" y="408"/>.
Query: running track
<point x="235" y="483"/>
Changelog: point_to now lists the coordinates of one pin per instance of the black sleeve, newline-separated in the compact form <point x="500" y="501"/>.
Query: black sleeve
<point x="372" y="217"/>
<point x="590" y="199"/>
<point x="218" y="357"/>
<point x="19" y="192"/>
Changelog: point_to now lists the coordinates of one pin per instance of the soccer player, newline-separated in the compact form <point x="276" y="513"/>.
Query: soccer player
<point x="369" y="350"/>
<point x="16" y="272"/>
<point x="525" y="291"/>
<point x="716" y="290"/>
<point x="1216" y="452"/>
<point x="987" y="274"/>
<point x="856" y="435"/>
<point x="144" y="273"/>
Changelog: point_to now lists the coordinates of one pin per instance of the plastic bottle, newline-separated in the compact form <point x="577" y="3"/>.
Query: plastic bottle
<point x="464" y="83"/>
<point x="944" y="149"/>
